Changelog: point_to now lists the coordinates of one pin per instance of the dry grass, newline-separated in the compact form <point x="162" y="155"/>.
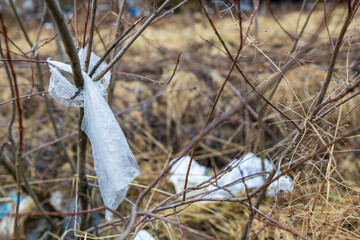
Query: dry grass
<point x="325" y="200"/>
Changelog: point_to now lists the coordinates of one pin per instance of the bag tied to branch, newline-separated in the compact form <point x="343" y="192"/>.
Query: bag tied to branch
<point x="114" y="162"/>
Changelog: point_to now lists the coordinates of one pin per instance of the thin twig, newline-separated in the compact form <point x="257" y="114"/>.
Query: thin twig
<point x="79" y="81"/>
<point x="169" y="11"/>
<point x="176" y="66"/>
<point x="178" y="221"/>
<point x="131" y="40"/>
<point x="42" y="86"/>
<point x="66" y="137"/>
<point x="86" y="23"/>
<point x="301" y="12"/>
<point x="67" y="40"/>
<point x="113" y="46"/>
<point x="336" y="106"/>
<point x="327" y="27"/>
<point x="258" y="92"/>
<point x="277" y="21"/>
<point x="210" y="116"/>
<point x="13" y="7"/>
<point x="84" y="200"/>
<point x="76" y="24"/>
<point x="251" y="214"/>
<point x="41" y="25"/>
<point x="191" y="230"/>
<point x="91" y="35"/>
<point x="11" y="100"/>
<point x="300" y="161"/>
<point x="14" y="44"/>
<point x="334" y="55"/>
<point x="20" y="127"/>
<point x="13" y="106"/>
<point x="119" y="31"/>
<point x="278" y="224"/>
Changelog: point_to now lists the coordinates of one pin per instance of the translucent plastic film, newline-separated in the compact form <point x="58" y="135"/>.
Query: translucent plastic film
<point x="62" y="90"/>
<point x="115" y="164"/>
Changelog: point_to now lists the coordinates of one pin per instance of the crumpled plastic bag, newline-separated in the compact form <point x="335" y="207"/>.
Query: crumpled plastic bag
<point x="250" y="164"/>
<point x="7" y="222"/>
<point x="143" y="235"/>
<point x="61" y="89"/>
<point x="115" y="164"/>
<point x="178" y="172"/>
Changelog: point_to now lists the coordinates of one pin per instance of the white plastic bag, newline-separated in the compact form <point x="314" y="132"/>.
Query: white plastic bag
<point x="143" y="235"/>
<point x="250" y="164"/>
<point x="178" y="172"/>
<point x="62" y="89"/>
<point x="115" y="164"/>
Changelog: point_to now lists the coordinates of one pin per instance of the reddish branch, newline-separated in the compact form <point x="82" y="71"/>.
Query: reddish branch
<point x="334" y="56"/>
<point x="21" y="134"/>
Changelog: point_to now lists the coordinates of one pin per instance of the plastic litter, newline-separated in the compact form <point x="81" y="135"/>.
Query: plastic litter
<point x="6" y="207"/>
<point x="114" y="162"/>
<point x="143" y="235"/>
<point x="7" y="222"/>
<point x="59" y="201"/>
<point x="178" y="171"/>
<point x="61" y="89"/>
<point x="249" y="165"/>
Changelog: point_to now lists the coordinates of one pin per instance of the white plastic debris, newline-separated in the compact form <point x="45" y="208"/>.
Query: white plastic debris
<point x="197" y="174"/>
<point x="247" y="168"/>
<point x="115" y="164"/>
<point x="284" y="184"/>
<point x="249" y="165"/>
<point x="59" y="201"/>
<point x="7" y="222"/>
<point x="61" y="89"/>
<point x="143" y="235"/>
